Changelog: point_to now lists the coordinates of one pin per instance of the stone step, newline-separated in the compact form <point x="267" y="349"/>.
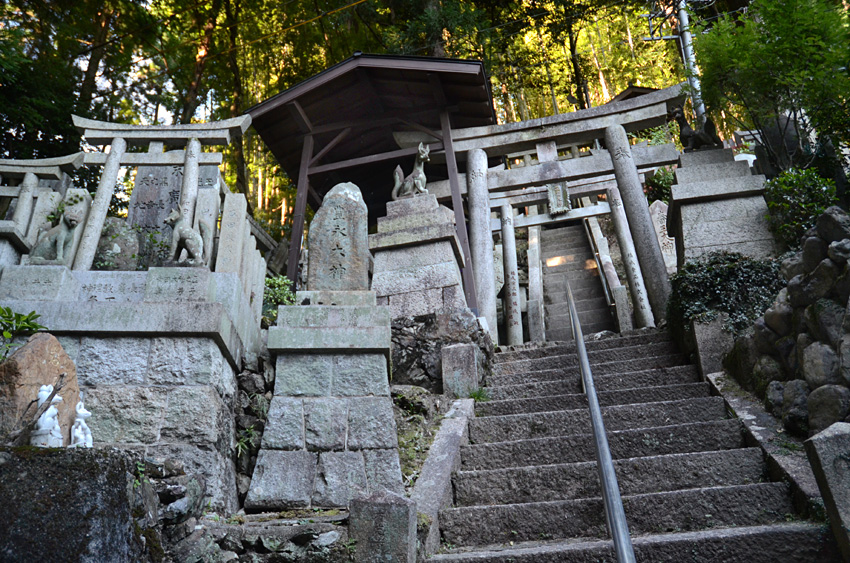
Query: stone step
<point x="588" y="268"/>
<point x="690" y="437"/>
<point x="567" y="386"/>
<point x="586" y="317"/>
<point x="601" y="362"/>
<point x="558" y="279"/>
<point x="550" y="403"/>
<point x="621" y="417"/>
<point x="783" y="542"/>
<point x="595" y="356"/>
<point x="592" y="289"/>
<point x="574" y="255"/>
<point x="554" y="238"/>
<point x="690" y="509"/>
<point x="637" y="475"/>
<point x="715" y="171"/>
<point x="628" y="339"/>
<point x="565" y="334"/>
<point x="559" y="309"/>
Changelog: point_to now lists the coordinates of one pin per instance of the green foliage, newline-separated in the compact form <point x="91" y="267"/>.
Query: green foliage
<point x="658" y="186"/>
<point x="480" y="395"/>
<point x="785" y="57"/>
<point x="795" y="199"/>
<point x="726" y="282"/>
<point x="14" y="324"/>
<point x="278" y="292"/>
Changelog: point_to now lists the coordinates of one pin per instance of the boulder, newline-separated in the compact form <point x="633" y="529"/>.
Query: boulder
<point x="833" y="224"/>
<point x="417" y="344"/>
<point x="824" y="320"/>
<point x="764" y="337"/>
<point x="841" y="288"/>
<point x="767" y="369"/>
<point x="814" y="251"/>
<point x="820" y="365"/>
<point x="839" y="251"/>
<point x="786" y="349"/>
<point x="779" y="317"/>
<point x="740" y="361"/>
<point x="827" y="405"/>
<point x="795" y="413"/>
<point x="792" y="266"/>
<point x="38" y="362"/>
<point x="118" y="247"/>
<point x="773" y="398"/>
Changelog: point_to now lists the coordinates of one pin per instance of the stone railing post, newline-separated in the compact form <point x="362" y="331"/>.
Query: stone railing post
<point x="100" y="206"/>
<point x="189" y="190"/>
<point x="513" y="312"/>
<point x="643" y="314"/>
<point x="23" y="209"/>
<point x="640" y="222"/>
<point x="481" y="237"/>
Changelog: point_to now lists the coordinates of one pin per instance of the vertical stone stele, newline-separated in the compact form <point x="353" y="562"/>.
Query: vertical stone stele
<point x="339" y="242"/>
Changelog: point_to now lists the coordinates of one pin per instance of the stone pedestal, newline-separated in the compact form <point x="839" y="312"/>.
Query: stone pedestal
<point x="417" y="258"/>
<point x="727" y="212"/>
<point x="330" y="435"/>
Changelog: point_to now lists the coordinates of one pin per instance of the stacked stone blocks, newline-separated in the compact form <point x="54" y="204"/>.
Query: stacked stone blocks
<point x="417" y="258"/>
<point x="717" y="204"/>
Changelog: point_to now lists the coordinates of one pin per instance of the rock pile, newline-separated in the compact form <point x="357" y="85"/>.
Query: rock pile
<point x="797" y="356"/>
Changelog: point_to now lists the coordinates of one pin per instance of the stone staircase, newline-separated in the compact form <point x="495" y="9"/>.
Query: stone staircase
<point x="528" y="488"/>
<point x="567" y="255"/>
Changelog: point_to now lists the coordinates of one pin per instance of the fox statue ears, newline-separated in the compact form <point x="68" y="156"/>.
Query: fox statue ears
<point x="424" y="151"/>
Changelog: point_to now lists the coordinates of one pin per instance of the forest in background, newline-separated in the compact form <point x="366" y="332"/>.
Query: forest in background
<point x="169" y="61"/>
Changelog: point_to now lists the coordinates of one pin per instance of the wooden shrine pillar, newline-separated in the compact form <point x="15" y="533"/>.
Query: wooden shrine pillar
<point x="300" y="209"/>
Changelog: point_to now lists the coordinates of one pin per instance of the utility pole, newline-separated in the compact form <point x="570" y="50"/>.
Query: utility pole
<point x="690" y="61"/>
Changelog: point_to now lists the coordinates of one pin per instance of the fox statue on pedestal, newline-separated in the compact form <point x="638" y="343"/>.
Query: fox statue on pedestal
<point x="414" y="184"/>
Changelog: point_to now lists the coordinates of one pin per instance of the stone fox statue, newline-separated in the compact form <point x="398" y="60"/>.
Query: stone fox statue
<point x="705" y="136"/>
<point x="414" y="184"/>
<point x="197" y="245"/>
<point x="54" y="244"/>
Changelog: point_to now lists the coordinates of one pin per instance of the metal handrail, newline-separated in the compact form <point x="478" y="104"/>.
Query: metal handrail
<point x="615" y="516"/>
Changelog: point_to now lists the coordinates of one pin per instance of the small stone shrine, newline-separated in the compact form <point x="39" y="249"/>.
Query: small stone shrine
<point x="417" y="258"/>
<point x="330" y="435"/>
<point x="718" y="204"/>
<point x="156" y="351"/>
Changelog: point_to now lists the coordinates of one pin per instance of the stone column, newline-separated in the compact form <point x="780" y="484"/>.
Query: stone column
<point x="640" y="222"/>
<point x="513" y="313"/>
<point x="536" y="323"/>
<point x="643" y="314"/>
<point x="23" y="208"/>
<point x="481" y="238"/>
<point x="191" y="173"/>
<point x="100" y="206"/>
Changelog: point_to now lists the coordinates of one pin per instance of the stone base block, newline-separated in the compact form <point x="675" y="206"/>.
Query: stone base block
<point x="337" y="298"/>
<point x="327" y="329"/>
<point x="343" y="375"/>
<point x="460" y="370"/>
<point x="68" y="505"/>
<point x="737" y="225"/>
<point x="296" y="479"/>
<point x="38" y="282"/>
<point x="384" y="527"/>
<point x="330" y="424"/>
<point x="827" y="452"/>
<point x="139" y="415"/>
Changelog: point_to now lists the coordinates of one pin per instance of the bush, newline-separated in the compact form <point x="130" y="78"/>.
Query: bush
<point x="658" y="186"/>
<point x="723" y="282"/>
<point x="14" y="324"/>
<point x="278" y="292"/>
<point x="795" y="199"/>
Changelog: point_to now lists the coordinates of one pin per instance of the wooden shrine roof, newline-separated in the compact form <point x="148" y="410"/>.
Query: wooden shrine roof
<point x="374" y="96"/>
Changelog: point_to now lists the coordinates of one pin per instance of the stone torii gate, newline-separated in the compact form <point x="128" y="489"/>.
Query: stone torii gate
<point x="119" y="136"/>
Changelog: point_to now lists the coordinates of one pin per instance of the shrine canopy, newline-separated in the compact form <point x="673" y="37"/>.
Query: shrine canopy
<point x="345" y="118"/>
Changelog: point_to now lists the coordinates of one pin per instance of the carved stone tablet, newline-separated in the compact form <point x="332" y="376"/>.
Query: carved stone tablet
<point x="339" y="242"/>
